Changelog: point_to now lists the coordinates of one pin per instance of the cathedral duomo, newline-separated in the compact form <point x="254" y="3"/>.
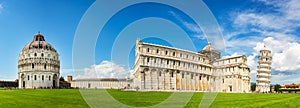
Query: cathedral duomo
<point x="159" y="67"/>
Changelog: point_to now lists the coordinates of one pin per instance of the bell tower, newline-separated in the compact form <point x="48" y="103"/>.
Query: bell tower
<point x="263" y="71"/>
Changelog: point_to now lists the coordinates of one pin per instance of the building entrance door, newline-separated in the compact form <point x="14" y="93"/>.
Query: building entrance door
<point x="54" y="85"/>
<point x="23" y="84"/>
<point x="230" y="88"/>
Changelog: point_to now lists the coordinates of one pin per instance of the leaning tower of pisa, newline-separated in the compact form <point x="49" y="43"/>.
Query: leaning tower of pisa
<point x="263" y="71"/>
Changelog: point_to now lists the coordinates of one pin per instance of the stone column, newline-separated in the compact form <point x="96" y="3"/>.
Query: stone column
<point x="143" y="80"/>
<point x="178" y="80"/>
<point x="147" y="80"/>
<point x="183" y="81"/>
<point x="154" y="80"/>
<point x="201" y="82"/>
<point x="187" y="78"/>
<point x="168" y="80"/>
<point x="196" y="82"/>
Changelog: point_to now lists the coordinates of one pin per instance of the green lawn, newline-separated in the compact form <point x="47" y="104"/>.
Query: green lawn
<point x="59" y="98"/>
<point x="66" y="98"/>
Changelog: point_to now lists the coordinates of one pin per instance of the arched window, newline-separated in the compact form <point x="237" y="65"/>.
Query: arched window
<point x="43" y="77"/>
<point x="166" y="52"/>
<point x="28" y="77"/>
<point x="32" y="65"/>
<point x="45" y="66"/>
<point x="148" y="49"/>
<point x="42" y="54"/>
<point x="35" y="54"/>
<point x="49" y="77"/>
<point x="34" y="77"/>
<point x="157" y="51"/>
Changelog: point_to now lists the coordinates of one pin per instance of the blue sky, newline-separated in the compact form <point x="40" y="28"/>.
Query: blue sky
<point x="246" y="27"/>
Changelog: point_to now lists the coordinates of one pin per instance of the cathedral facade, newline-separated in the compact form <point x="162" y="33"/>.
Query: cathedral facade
<point x="159" y="67"/>
<point x="38" y="65"/>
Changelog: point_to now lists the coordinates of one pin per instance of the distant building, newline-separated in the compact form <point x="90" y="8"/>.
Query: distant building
<point x="9" y="83"/>
<point x="38" y="64"/>
<point x="290" y="88"/>
<point x="102" y="83"/>
<point x="264" y="71"/>
<point x="159" y="67"/>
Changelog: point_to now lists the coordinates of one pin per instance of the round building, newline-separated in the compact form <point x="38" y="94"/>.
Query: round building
<point x="38" y="65"/>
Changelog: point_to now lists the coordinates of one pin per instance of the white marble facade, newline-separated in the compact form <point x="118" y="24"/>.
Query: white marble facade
<point x="159" y="67"/>
<point x="102" y="83"/>
<point x="38" y="65"/>
<point x="264" y="71"/>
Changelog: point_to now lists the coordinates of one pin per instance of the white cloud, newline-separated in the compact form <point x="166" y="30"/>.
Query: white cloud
<point x="285" y="16"/>
<point x="285" y="54"/>
<point x="105" y="69"/>
<point x="285" y="79"/>
<point x="251" y="62"/>
<point x="1" y="7"/>
<point x="280" y="79"/>
<point x="288" y="59"/>
<point x="290" y="8"/>
<point x="275" y="29"/>
<point x="252" y="76"/>
<point x="262" y="21"/>
<point x="197" y="32"/>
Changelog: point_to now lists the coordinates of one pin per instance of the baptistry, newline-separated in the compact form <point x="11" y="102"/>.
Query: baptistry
<point x="38" y="65"/>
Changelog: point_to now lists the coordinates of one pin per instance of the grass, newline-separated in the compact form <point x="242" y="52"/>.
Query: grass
<point x="139" y="99"/>
<point x="66" y="98"/>
<point x="257" y="100"/>
<point x="60" y="98"/>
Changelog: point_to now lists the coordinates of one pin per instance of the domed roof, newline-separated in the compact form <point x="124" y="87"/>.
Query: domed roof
<point x="208" y="47"/>
<point x="39" y="42"/>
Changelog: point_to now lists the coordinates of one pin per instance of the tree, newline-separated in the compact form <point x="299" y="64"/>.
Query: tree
<point x="277" y="87"/>
<point x="271" y="89"/>
<point x="61" y="78"/>
<point x="253" y="87"/>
